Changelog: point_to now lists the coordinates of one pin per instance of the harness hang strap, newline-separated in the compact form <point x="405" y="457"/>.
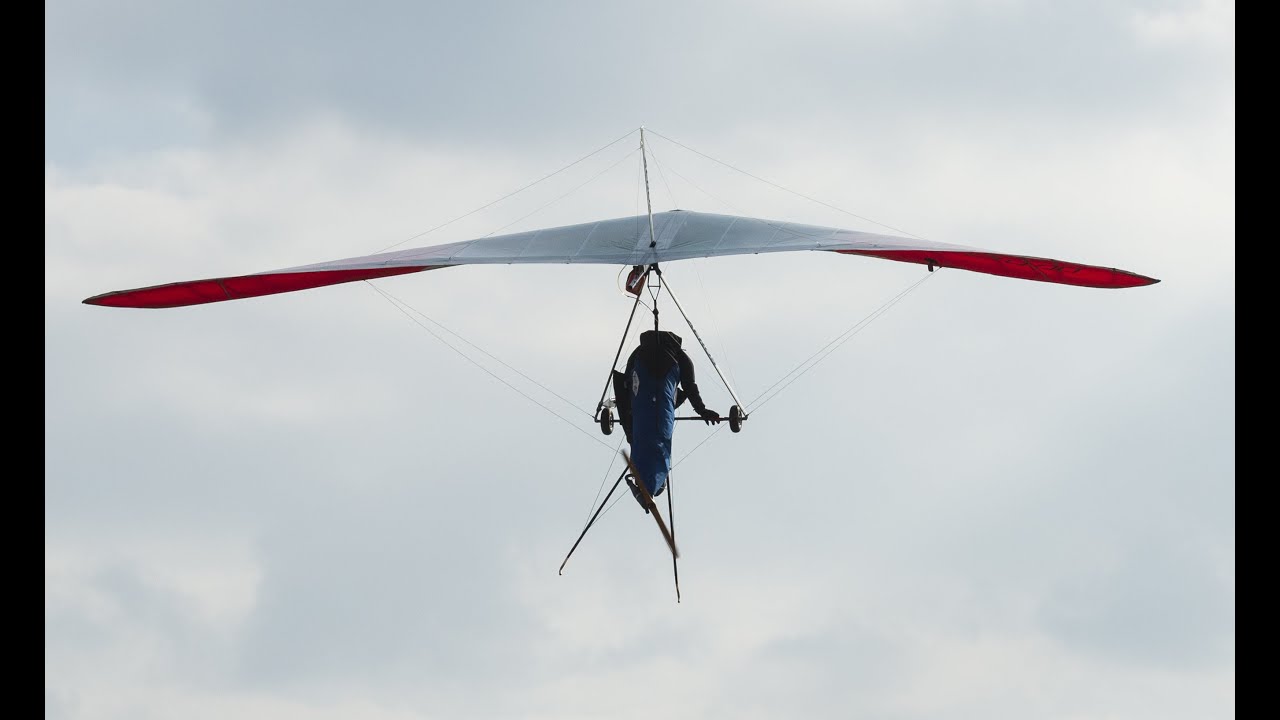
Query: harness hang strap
<point x="654" y="268"/>
<point x="621" y="343"/>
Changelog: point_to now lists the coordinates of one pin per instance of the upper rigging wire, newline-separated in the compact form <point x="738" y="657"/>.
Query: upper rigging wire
<point x="513" y="192"/>
<point x="783" y="188"/>
<point x="658" y="165"/>
<point x="575" y="189"/>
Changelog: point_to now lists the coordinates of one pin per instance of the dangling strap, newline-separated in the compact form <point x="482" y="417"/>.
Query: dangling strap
<point x="671" y="513"/>
<point x="591" y="522"/>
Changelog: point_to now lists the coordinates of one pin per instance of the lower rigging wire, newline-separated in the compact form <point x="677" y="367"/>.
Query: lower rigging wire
<point x="831" y="346"/>
<point x="839" y="340"/>
<point x="603" y="480"/>
<point x="406" y="309"/>
<point x="401" y="306"/>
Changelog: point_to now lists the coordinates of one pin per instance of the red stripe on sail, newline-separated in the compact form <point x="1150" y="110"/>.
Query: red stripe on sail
<point x="198" y="292"/>
<point x="1016" y="266"/>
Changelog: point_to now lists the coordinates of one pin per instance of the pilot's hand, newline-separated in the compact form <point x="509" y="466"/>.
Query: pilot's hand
<point x="709" y="416"/>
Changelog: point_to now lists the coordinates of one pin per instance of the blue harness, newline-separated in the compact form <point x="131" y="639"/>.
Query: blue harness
<point x="653" y="420"/>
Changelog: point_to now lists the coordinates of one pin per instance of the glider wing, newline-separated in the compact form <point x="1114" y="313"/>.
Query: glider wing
<point x="677" y="235"/>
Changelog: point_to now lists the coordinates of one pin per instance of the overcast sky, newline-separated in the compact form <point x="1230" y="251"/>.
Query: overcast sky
<point x="1000" y="499"/>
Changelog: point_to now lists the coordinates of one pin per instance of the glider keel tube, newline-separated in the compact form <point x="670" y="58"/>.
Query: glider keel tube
<point x="1023" y="267"/>
<point x="199" y="292"/>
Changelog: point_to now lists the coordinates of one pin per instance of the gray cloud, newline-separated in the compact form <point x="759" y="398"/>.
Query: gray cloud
<point x="505" y="74"/>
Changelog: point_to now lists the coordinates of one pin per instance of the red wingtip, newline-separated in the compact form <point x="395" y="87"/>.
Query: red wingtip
<point x="1023" y="267"/>
<point x="199" y="292"/>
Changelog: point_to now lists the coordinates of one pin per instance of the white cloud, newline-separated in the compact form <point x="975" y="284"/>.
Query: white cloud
<point x="305" y="506"/>
<point x="1209" y="23"/>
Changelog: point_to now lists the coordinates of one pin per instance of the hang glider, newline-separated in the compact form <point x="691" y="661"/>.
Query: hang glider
<point x="676" y="235"/>
<point x="643" y="242"/>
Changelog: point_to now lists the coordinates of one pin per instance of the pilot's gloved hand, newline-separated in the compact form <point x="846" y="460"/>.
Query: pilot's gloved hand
<point x="709" y="416"/>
